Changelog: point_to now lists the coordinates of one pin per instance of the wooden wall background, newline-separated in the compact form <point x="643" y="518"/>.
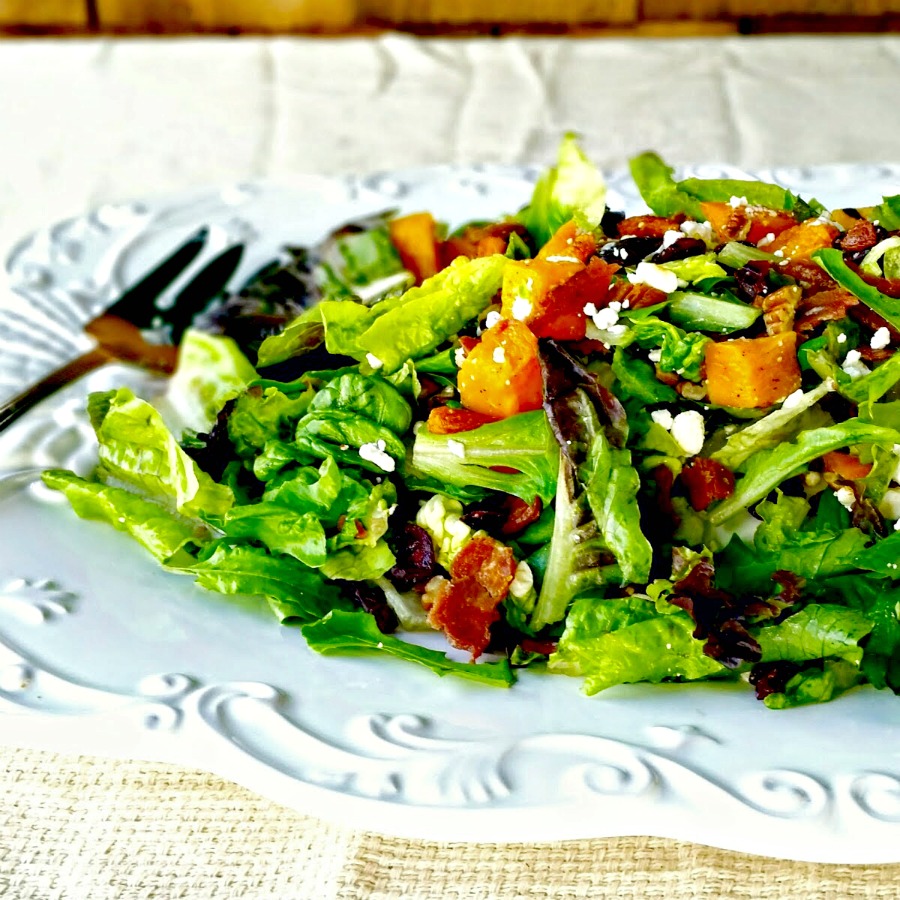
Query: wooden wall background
<point x="432" y="16"/>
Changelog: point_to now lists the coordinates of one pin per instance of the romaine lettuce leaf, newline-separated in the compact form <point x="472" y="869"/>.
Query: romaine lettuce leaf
<point x="137" y="448"/>
<point x="766" y="469"/>
<point x="368" y="395"/>
<point x="523" y="442"/>
<point x="817" y="631"/>
<point x="158" y="530"/>
<point x="622" y="641"/>
<point x="659" y="189"/>
<point x="279" y="528"/>
<point x="211" y="370"/>
<point x="572" y="188"/>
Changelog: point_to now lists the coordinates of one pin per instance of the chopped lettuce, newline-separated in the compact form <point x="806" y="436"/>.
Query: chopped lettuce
<point x="573" y="188"/>
<point x="523" y="442"/>
<point x="137" y="449"/>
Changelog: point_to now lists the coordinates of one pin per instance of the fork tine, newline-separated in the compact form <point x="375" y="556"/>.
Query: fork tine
<point x="138" y="303"/>
<point x="202" y="289"/>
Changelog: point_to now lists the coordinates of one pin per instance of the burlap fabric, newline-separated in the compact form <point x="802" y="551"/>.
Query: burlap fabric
<point x="78" y="828"/>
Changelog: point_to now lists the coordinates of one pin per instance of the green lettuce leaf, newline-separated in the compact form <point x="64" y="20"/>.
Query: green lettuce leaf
<point x="654" y="179"/>
<point x="832" y="261"/>
<point x="211" y="370"/>
<point x="156" y="529"/>
<point x="622" y="641"/>
<point x="572" y="188"/>
<point x="816" y="684"/>
<point x="356" y="632"/>
<point x="523" y="442"/>
<point x="296" y="593"/>
<point x="766" y="469"/>
<point x="817" y="631"/>
<point x="263" y="415"/>
<point x="279" y="528"/>
<point x="137" y="448"/>
<point x="368" y="395"/>
<point x="682" y="352"/>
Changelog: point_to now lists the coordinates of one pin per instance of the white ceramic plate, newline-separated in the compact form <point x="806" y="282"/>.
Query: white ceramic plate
<point x="102" y="652"/>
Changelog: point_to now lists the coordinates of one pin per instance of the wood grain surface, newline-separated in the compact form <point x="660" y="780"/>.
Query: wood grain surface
<point x="647" y="17"/>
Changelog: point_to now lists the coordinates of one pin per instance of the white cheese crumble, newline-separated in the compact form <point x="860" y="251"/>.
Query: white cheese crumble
<point x="655" y="355"/>
<point x="521" y="309"/>
<point x="499" y="355"/>
<point x="845" y="497"/>
<point x="853" y="364"/>
<point x="735" y="202"/>
<point x="779" y="253"/>
<point x="457" y="448"/>
<point x="492" y="318"/>
<point x="669" y="238"/>
<point x="764" y="242"/>
<point x="523" y="581"/>
<point x="663" y="417"/>
<point x="689" y="431"/>
<point x="701" y="230"/>
<point x="605" y="318"/>
<point x="374" y="361"/>
<point x="563" y="259"/>
<point x="375" y="453"/>
<point x="842" y="338"/>
<point x="890" y="504"/>
<point x="590" y="309"/>
<point x="655" y="276"/>
<point x="880" y="339"/>
<point x="459" y="354"/>
<point x="793" y="400"/>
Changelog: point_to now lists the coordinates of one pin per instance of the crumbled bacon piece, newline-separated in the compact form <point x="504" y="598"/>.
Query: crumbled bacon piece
<point x="706" y="480"/>
<point x="466" y="606"/>
<point x="826" y="306"/>
<point x="808" y="274"/>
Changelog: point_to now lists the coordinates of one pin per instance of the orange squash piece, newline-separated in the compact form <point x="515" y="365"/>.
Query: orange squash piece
<point x="415" y="239"/>
<point x="800" y="241"/>
<point x="752" y="373"/>
<point x="846" y="465"/>
<point x="502" y="376"/>
<point x="569" y="243"/>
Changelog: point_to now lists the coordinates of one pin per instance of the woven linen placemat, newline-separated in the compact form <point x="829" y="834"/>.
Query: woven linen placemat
<point x="82" y="828"/>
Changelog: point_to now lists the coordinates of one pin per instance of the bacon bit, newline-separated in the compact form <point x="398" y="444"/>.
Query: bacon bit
<point x="648" y="226"/>
<point x="520" y="514"/>
<point x="468" y="343"/>
<point x="360" y="530"/>
<point x="875" y="356"/>
<point x="448" y="420"/>
<point x="465" y="607"/>
<point x="635" y="296"/>
<point x="779" y="308"/>
<point x="826" y="306"/>
<point x="888" y="286"/>
<point x="342" y="520"/>
<point x="808" y="274"/>
<point x="862" y="236"/>
<point x="544" y="648"/>
<point x="706" y="480"/>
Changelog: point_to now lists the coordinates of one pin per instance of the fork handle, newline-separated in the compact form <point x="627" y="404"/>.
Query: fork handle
<point x="49" y="384"/>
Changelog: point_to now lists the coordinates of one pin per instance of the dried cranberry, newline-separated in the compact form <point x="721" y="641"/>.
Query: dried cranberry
<point x="753" y="279"/>
<point x="416" y="561"/>
<point x="372" y="600"/>
<point x="680" y="249"/>
<point x="610" y="222"/>
<point x="630" y="250"/>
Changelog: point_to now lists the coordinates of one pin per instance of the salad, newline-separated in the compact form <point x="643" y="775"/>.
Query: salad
<point x="648" y="448"/>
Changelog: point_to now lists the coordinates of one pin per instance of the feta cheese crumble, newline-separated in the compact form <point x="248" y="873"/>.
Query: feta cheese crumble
<point x="521" y="309"/>
<point x="499" y="355"/>
<point x="880" y="339"/>
<point x="655" y="355"/>
<point x="701" y="230"/>
<point x="374" y="361"/>
<point x="669" y="238"/>
<point x="459" y="355"/>
<point x="492" y="318"/>
<point x="735" y="202"/>
<point x="842" y="338"/>
<point x="655" y="276"/>
<point x="845" y="497"/>
<point x="768" y="239"/>
<point x="375" y="453"/>
<point x="689" y="431"/>
<point x="853" y="364"/>
<point x="663" y="417"/>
